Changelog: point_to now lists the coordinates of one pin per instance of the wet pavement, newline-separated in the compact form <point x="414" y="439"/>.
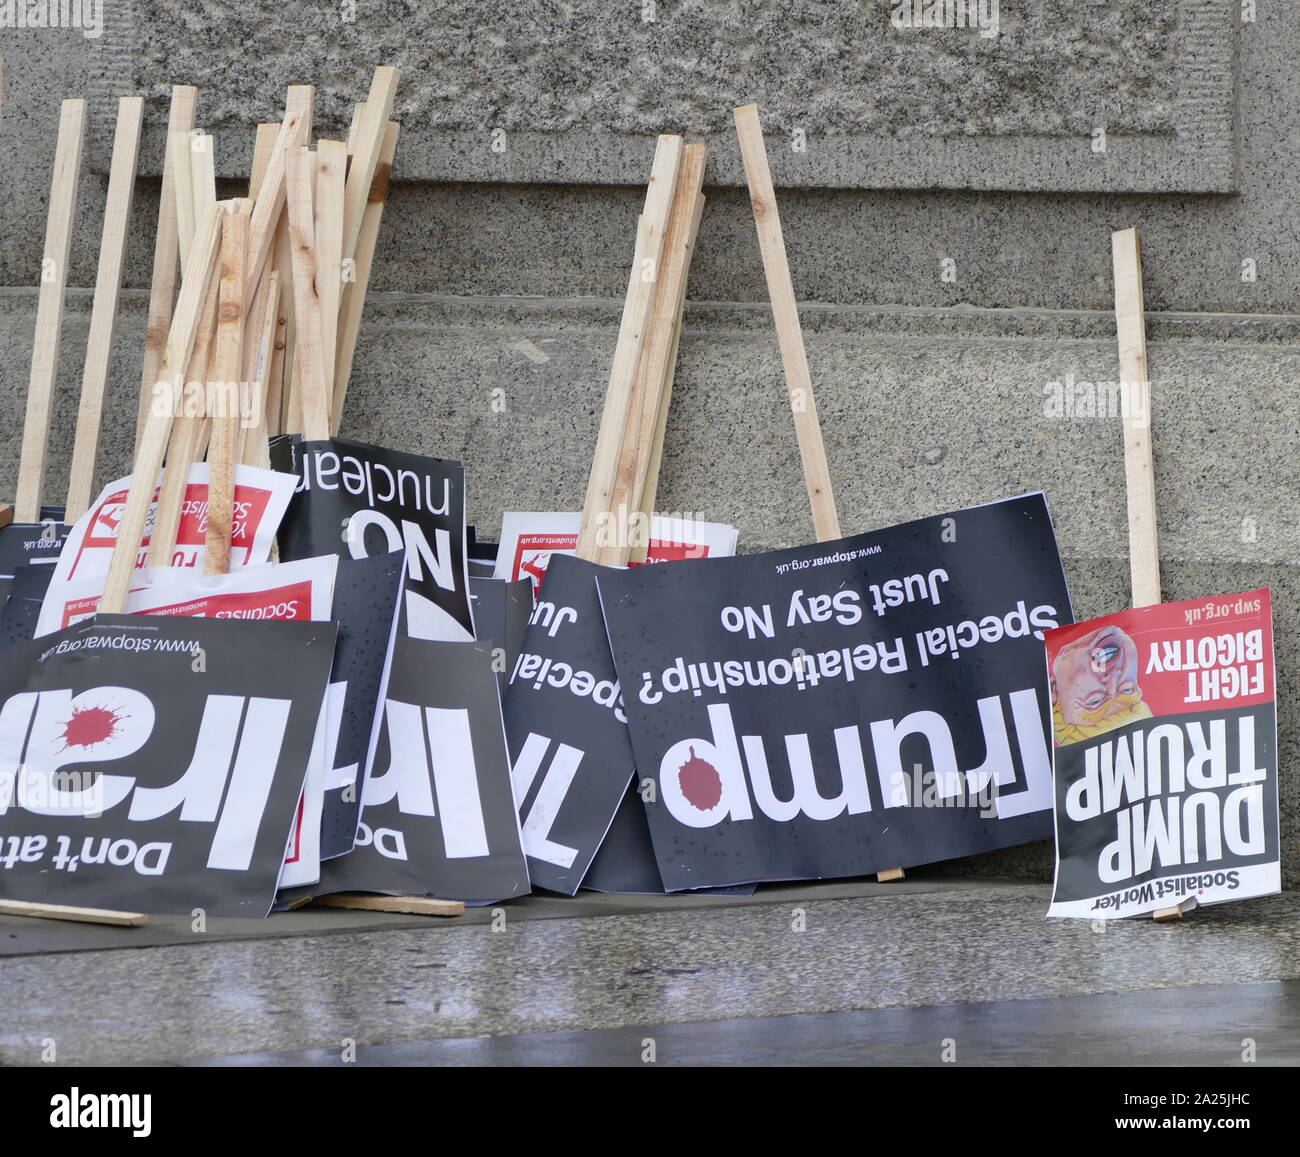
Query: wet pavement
<point x="845" y="973"/>
<point x="1175" y="1027"/>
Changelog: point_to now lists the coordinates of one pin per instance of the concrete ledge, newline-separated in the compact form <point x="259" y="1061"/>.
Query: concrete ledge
<point x="957" y="947"/>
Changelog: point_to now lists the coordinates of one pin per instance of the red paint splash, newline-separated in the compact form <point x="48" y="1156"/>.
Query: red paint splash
<point x="89" y="726"/>
<point x="700" y="782"/>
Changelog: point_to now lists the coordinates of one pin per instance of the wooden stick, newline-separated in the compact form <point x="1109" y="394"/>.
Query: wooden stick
<point x="149" y="452"/>
<point x="274" y="383"/>
<point x="789" y="333"/>
<point x="331" y="173"/>
<point x="188" y="435"/>
<point x="186" y="445"/>
<point x="650" y="494"/>
<point x="655" y="373"/>
<point x="229" y="363"/>
<point x="251" y="397"/>
<point x="78" y="915"/>
<point x="357" y="110"/>
<point x="263" y="147"/>
<point x="651" y="230"/>
<point x="255" y="449"/>
<point x="369" y="143"/>
<point x="307" y="305"/>
<point x="354" y="291"/>
<point x="277" y="386"/>
<point x="103" y="314"/>
<point x="6" y="514"/>
<point x="180" y="145"/>
<point x="1130" y="324"/>
<point x="1139" y="472"/>
<point x="49" y="310"/>
<point x="190" y="430"/>
<point x="412" y="905"/>
<point x="203" y="172"/>
<point x="166" y="253"/>
<point x="295" y="131"/>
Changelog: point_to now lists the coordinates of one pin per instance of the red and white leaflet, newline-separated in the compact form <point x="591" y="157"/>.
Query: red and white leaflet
<point x="261" y="498"/>
<point x="289" y="590"/>
<point x="529" y="539"/>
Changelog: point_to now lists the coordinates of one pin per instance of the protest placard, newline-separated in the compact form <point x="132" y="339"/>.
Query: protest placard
<point x="438" y="814"/>
<point x="839" y="708"/>
<point x="358" y="500"/>
<point x="1165" y="723"/>
<point x="154" y="763"/>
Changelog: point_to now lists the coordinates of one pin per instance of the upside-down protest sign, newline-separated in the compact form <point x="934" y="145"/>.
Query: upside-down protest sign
<point x="438" y="815"/>
<point x="1165" y="758"/>
<point x="358" y="501"/>
<point x="154" y="763"/>
<point x="846" y="707"/>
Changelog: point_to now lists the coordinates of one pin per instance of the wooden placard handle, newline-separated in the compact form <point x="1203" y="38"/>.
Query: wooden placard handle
<point x="308" y="347"/>
<point x="186" y="442"/>
<point x="179" y="147"/>
<point x="49" y="310"/>
<point x="655" y="373"/>
<point x="228" y="364"/>
<point x="199" y="271"/>
<point x="203" y="172"/>
<point x="1139" y="470"/>
<point x="650" y="493"/>
<point x="354" y="291"/>
<point x="190" y="430"/>
<point x="789" y="333"/>
<point x="295" y="132"/>
<point x="331" y="178"/>
<point x="1139" y="474"/>
<point x="76" y="915"/>
<point x="652" y="228"/>
<point x="409" y="905"/>
<point x="166" y="254"/>
<point x="366" y="147"/>
<point x="103" y="313"/>
<point x="255" y="451"/>
<point x="263" y="146"/>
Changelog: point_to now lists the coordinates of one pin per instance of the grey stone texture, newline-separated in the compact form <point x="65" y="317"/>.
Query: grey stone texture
<point x="580" y="88"/>
<point x="490" y="227"/>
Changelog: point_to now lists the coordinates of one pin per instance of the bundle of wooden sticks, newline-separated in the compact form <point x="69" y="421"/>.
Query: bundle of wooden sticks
<point x="261" y="336"/>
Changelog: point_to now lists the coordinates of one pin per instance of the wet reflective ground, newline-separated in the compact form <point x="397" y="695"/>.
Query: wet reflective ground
<point x="848" y="973"/>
